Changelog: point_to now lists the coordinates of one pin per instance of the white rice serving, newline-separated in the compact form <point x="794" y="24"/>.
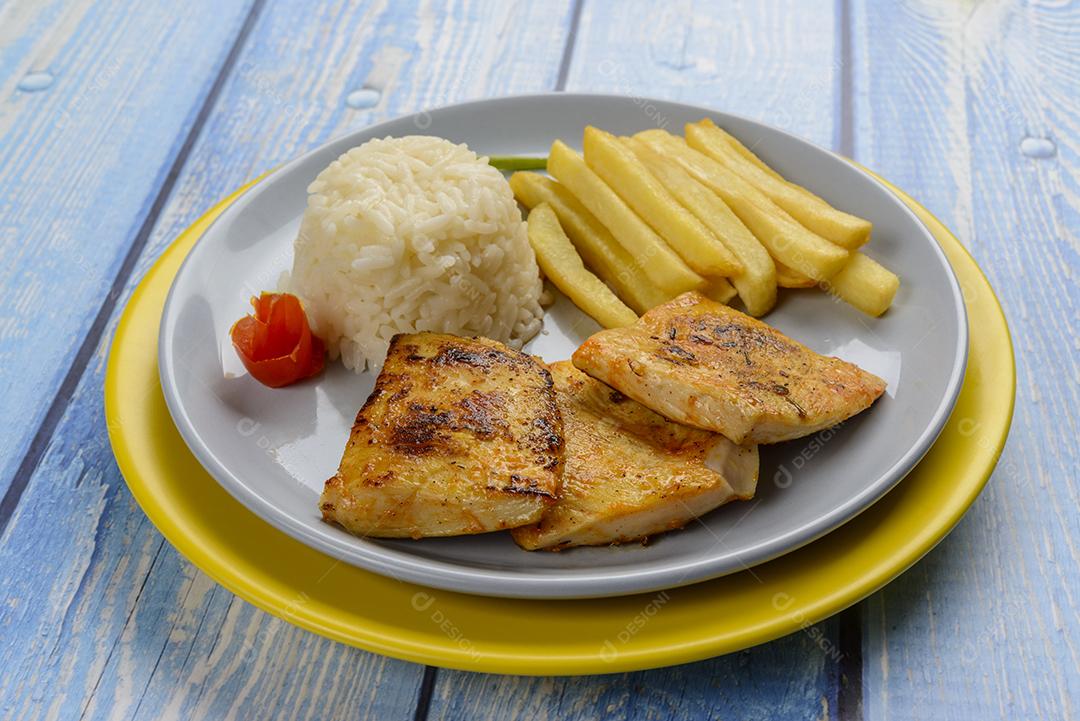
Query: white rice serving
<point x="413" y="234"/>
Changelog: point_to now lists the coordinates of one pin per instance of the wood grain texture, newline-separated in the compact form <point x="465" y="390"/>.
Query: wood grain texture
<point x="787" y="679"/>
<point x="81" y="161"/>
<point x="954" y="104"/>
<point x="100" y="616"/>
<point x="773" y="61"/>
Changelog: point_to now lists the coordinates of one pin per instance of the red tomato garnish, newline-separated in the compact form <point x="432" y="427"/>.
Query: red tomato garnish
<point x="276" y="344"/>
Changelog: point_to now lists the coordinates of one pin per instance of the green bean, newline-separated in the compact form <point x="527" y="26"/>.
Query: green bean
<point x="517" y="162"/>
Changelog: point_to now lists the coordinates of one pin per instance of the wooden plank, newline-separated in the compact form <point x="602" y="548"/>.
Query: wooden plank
<point x="973" y="109"/>
<point x="774" y="61"/>
<point x="777" y="62"/>
<point x="785" y="679"/>
<point x="120" y="626"/>
<point x="88" y="132"/>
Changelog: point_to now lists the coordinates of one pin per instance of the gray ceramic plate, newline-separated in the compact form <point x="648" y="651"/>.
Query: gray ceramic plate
<point x="272" y="449"/>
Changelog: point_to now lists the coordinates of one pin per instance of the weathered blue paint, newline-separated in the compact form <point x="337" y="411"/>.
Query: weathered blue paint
<point x="988" y="625"/>
<point x="81" y="162"/>
<point x="972" y="109"/>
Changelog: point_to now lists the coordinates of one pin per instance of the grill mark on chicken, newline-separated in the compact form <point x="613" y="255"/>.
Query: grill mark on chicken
<point x="543" y="438"/>
<point x="480" y="414"/>
<point x="424" y="430"/>
<point x="401" y="393"/>
<point x="427" y="429"/>
<point x="526" y="487"/>
<point x="454" y="355"/>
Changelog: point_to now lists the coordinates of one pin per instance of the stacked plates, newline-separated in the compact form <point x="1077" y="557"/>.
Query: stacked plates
<point x="230" y="471"/>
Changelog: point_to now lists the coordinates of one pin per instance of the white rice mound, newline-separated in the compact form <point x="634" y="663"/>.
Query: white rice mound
<point x="413" y="234"/>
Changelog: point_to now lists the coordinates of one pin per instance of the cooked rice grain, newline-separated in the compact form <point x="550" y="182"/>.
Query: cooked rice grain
<point x="413" y="234"/>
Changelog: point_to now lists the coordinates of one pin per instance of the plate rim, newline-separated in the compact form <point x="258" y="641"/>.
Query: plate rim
<point x="445" y="575"/>
<point x="124" y="402"/>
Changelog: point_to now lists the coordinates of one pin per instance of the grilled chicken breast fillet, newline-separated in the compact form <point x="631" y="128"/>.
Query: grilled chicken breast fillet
<point x="629" y="473"/>
<point x="701" y="363"/>
<point x="460" y="435"/>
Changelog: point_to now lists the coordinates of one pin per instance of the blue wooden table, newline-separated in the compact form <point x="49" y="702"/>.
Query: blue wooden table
<point x="120" y="123"/>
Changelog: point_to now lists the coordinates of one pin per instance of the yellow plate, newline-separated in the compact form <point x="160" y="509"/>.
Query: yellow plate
<point x="311" y="590"/>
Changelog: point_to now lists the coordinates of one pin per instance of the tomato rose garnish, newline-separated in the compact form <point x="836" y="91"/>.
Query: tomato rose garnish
<point x="276" y="343"/>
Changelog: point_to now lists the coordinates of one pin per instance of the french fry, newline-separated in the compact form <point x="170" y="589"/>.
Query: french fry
<point x="756" y="285"/>
<point x="747" y="153"/>
<point x="659" y="262"/>
<point x="865" y="284"/>
<point x="719" y="289"/>
<point x="784" y="238"/>
<point x="631" y="180"/>
<point x="844" y="229"/>
<point x="601" y="252"/>
<point x="788" y="278"/>
<point x="563" y="266"/>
